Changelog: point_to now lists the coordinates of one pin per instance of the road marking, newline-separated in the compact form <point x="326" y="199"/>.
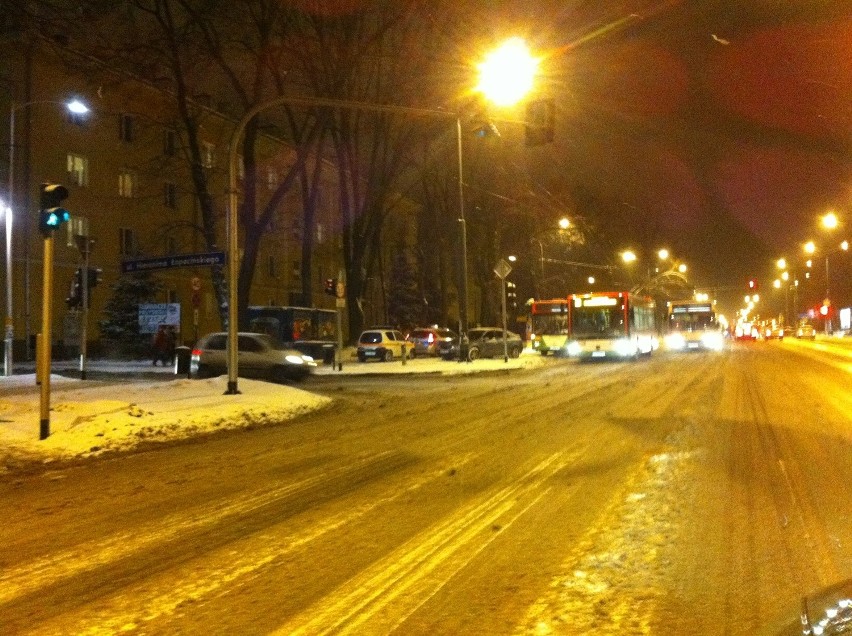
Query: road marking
<point x="421" y="567"/>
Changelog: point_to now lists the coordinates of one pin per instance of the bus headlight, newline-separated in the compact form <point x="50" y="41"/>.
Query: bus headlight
<point x="624" y="347"/>
<point x="713" y="341"/>
<point x="675" y="341"/>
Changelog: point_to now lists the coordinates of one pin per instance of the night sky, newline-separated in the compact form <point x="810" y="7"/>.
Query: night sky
<point x="722" y="130"/>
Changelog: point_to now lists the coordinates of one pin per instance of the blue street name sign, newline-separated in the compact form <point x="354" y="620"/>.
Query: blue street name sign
<point x="169" y="262"/>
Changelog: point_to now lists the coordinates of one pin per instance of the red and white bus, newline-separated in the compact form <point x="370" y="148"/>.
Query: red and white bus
<point x="614" y="324"/>
<point x="549" y="326"/>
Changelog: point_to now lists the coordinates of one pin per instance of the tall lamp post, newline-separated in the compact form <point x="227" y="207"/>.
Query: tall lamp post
<point x="75" y="106"/>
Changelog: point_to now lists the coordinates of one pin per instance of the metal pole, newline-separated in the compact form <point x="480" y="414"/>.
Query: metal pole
<point x="84" y="331"/>
<point x="10" y="330"/>
<point x="503" y="303"/>
<point x="828" y="298"/>
<point x="46" y="337"/>
<point x="463" y="325"/>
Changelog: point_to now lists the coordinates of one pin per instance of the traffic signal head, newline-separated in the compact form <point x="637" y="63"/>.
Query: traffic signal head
<point x="540" y="120"/>
<point x="51" y="215"/>
<point x="331" y="286"/>
<point x="75" y="293"/>
<point x="95" y="276"/>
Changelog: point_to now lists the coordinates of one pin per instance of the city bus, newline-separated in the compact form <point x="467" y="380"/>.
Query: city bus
<point x="549" y="326"/>
<point x="614" y="324"/>
<point x="309" y="330"/>
<point x="692" y="325"/>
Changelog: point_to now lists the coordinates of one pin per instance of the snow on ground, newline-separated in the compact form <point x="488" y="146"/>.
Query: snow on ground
<point x="91" y="418"/>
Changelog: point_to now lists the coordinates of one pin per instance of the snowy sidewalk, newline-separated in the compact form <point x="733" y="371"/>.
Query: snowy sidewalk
<point x="89" y="418"/>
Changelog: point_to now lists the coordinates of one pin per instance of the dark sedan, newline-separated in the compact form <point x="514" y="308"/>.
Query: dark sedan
<point x="484" y="342"/>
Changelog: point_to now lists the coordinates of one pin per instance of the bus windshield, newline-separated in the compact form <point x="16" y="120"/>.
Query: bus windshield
<point x="692" y="322"/>
<point x="550" y="324"/>
<point x="597" y="322"/>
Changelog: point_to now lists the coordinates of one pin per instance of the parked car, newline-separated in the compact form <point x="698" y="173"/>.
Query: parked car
<point x="259" y="356"/>
<point x="774" y="332"/>
<point x="484" y="342"/>
<point x="806" y="332"/>
<point x="383" y="344"/>
<point x="426" y="340"/>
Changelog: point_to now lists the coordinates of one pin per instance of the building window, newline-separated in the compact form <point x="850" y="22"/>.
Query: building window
<point x="78" y="170"/>
<point x="170" y="194"/>
<point x="271" y="178"/>
<point x="297" y="270"/>
<point x="208" y="154"/>
<point x="241" y="168"/>
<point x="126" y="241"/>
<point x="270" y="266"/>
<point x="127" y="184"/>
<point x="170" y="141"/>
<point x="320" y="235"/>
<point x="126" y="127"/>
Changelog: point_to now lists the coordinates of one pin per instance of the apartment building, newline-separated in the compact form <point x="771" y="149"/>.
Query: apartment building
<point x="131" y="194"/>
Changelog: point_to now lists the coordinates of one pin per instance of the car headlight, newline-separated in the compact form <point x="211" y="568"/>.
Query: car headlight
<point x="675" y="341"/>
<point x="294" y="359"/>
<point x="574" y="348"/>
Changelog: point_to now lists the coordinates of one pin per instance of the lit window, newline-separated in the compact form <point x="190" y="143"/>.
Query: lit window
<point x="127" y="184"/>
<point x="320" y="236"/>
<point x="241" y="168"/>
<point x="78" y="170"/>
<point x="271" y="178"/>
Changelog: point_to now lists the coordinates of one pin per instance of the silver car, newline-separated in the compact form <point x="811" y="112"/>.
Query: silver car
<point x="258" y="356"/>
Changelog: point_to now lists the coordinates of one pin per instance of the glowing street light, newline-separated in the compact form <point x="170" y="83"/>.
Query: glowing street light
<point x="830" y="221"/>
<point x="810" y="247"/>
<point x="628" y="256"/>
<point x="507" y="73"/>
<point x="564" y="223"/>
<point x="663" y="254"/>
<point x="782" y="263"/>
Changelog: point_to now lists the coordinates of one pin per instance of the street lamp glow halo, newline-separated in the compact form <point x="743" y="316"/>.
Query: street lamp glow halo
<point x="507" y="73"/>
<point x="830" y="221"/>
<point x="77" y="107"/>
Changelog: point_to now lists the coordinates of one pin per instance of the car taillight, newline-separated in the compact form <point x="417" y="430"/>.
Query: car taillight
<point x="196" y="352"/>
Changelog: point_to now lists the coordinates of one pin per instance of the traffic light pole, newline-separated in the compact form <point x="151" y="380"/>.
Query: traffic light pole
<point x="85" y="247"/>
<point x="44" y="352"/>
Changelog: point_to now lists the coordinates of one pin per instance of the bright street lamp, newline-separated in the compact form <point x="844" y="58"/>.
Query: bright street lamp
<point x="628" y="256"/>
<point x="507" y="73"/>
<point x="564" y="223"/>
<point x="76" y="107"/>
<point x="830" y="221"/>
